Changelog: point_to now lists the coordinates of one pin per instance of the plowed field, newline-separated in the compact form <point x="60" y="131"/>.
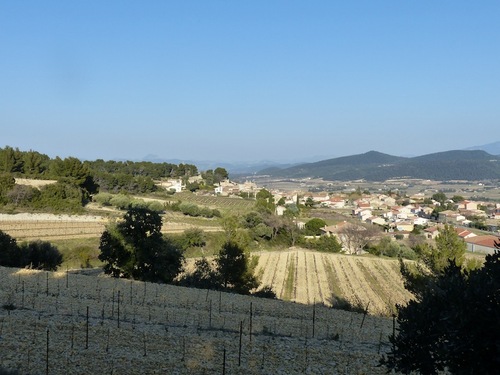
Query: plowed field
<point x="312" y="277"/>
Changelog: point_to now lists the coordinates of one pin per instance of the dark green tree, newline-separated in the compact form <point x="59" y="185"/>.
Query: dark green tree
<point x="220" y="174"/>
<point x="457" y="198"/>
<point x="59" y="197"/>
<point x="7" y="183"/>
<point x="252" y="219"/>
<point x="40" y="255"/>
<point x="193" y="237"/>
<point x="309" y="202"/>
<point x="265" y="202"/>
<point x="452" y="325"/>
<point x="11" y="160"/>
<point x="433" y="260"/>
<point x="440" y="197"/>
<point x="34" y="163"/>
<point x="136" y="248"/>
<point x="313" y="226"/>
<point x="9" y="251"/>
<point x="232" y="266"/>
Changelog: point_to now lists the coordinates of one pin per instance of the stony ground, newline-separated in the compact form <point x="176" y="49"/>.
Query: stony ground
<point x="70" y="323"/>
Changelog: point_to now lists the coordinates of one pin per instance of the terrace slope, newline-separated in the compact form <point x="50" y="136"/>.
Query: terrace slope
<point x="68" y="323"/>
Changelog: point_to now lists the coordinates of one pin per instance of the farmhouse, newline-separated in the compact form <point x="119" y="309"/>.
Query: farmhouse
<point x="173" y="184"/>
<point x="431" y="233"/>
<point x="482" y="244"/>
<point x="464" y="233"/>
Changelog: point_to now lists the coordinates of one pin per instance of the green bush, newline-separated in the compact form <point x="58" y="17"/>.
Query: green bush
<point x="121" y="201"/>
<point x="40" y="255"/>
<point x="60" y="197"/>
<point x="104" y="199"/>
<point x="156" y="206"/>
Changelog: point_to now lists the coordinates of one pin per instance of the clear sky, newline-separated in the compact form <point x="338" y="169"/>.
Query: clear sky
<point x="248" y="80"/>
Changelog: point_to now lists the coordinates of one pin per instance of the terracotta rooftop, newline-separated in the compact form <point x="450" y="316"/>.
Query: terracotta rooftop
<point x="487" y="240"/>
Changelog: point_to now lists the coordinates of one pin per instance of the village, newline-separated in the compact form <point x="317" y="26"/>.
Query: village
<point x="477" y="222"/>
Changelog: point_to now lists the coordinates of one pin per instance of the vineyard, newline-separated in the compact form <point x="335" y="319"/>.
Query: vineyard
<point x="233" y="205"/>
<point x="313" y="277"/>
<point x="298" y="275"/>
<point x="69" y="323"/>
<point x="51" y="230"/>
<point x="49" y="227"/>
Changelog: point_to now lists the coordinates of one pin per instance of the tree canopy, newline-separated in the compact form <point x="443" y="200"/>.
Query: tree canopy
<point x="453" y="324"/>
<point x="433" y="260"/>
<point x="40" y="255"/>
<point x="313" y="226"/>
<point x="135" y="248"/>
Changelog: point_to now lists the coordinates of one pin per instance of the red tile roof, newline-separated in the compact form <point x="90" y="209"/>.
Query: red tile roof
<point x="487" y="240"/>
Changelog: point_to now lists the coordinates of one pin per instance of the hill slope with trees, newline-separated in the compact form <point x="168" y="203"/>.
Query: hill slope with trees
<point x="376" y="166"/>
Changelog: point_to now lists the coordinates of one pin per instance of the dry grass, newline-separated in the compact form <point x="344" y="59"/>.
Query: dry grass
<point x="158" y="329"/>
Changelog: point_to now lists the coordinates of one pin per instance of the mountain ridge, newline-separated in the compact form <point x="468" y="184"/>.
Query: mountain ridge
<point x="377" y="166"/>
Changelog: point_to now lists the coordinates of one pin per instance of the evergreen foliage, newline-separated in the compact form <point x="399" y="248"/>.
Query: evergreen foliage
<point x="453" y="324"/>
<point x="232" y="266"/>
<point x="135" y="248"/>
<point x="230" y="271"/>
<point x="313" y="226"/>
<point x="40" y="255"/>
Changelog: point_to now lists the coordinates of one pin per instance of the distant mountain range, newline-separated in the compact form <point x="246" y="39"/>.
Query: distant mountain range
<point x="356" y="165"/>
<point x="236" y="167"/>
<point x="376" y="166"/>
<point x="490" y="148"/>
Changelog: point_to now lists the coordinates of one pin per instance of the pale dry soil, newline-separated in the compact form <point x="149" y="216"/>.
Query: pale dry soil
<point x="46" y="227"/>
<point x="70" y="323"/>
<point x="374" y="283"/>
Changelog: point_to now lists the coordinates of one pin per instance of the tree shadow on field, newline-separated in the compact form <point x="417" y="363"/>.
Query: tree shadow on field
<point x="341" y="303"/>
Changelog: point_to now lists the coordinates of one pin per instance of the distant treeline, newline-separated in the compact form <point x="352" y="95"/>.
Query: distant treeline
<point x="77" y="180"/>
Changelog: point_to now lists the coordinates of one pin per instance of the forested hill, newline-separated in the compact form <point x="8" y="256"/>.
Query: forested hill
<point x="376" y="166"/>
<point x="78" y="179"/>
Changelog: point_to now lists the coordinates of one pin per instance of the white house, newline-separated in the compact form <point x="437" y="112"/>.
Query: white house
<point x="173" y="185"/>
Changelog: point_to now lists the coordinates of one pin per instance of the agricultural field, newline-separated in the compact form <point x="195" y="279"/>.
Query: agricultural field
<point x="48" y="227"/>
<point x="296" y="275"/>
<point x="71" y="323"/>
<point x="309" y="277"/>
<point x="232" y="205"/>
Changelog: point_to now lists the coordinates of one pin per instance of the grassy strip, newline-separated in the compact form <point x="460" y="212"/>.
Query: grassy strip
<point x="79" y="252"/>
<point x="290" y="281"/>
<point x="333" y="280"/>
<point x="372" y="281"/>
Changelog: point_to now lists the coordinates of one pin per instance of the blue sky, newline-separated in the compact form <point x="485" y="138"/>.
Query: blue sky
<point x="248" y="80"/>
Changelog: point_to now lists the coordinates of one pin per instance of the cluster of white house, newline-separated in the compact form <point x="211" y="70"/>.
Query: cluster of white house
<point x="379" y="209"/>
<point x="224" y="188"/>
<point x="382" y="210"/>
